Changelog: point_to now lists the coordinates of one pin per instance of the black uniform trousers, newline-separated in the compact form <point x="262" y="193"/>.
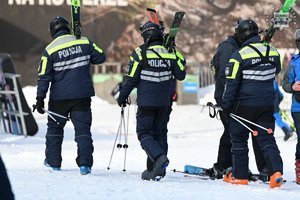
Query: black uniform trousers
<point x="81" y="116"/>
<point x="164" y="136"/>
<point x="262" y="115"/>
<point x="5" y="187"/>
<point x="150" y="132"/>
<point x="224" y="159"/>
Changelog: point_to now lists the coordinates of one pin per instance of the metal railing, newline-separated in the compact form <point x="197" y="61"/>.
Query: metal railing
<point x="18" y="111"/>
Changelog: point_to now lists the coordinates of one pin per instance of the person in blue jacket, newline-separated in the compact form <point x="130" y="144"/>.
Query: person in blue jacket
<point x="291" y="84"/>
<point x="150" y="69"/>
<point x="249" y="93"/>
<point x="288" y="131"/>
<point x="65" y="63"/>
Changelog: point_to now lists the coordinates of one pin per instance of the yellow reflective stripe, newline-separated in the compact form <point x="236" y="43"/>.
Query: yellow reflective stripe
<point x="97" y="48"/>
<point x="181" y="66"/>
<point x="131" y="58"/>
<point x="138" y="52"/>
<point x="247" y="47"/>
<point x="68" y="44"/>
<point x="235" y="68"/>
<point x="44" y="61"/>
<point x="156" y="47"/>
<point x="163" y="55"/>
<point x="179" y="55"/>
<point x="255" y="55"/>
<point x="135" y="64"/>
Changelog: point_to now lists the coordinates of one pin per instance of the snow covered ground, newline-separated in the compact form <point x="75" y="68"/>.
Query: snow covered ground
<point x="193" y="139"/>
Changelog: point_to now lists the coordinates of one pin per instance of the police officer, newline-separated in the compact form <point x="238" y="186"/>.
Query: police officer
<point x="219" y="61"/>
<point x="65" y="63"/>
<point x="224" y="159"/>
<point x="291" y="84"/>
<point x="249" y="93"/>
<point x="5" y="189"/>
<point x="150" y="69"/>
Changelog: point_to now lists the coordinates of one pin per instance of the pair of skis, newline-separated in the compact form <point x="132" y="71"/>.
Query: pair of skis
<point x="288" y="4"/>
<point x="169" y="40"/>
<point x="203" y="174"/>
<point x="10" y="121"/>
<point x="75" y="15"/>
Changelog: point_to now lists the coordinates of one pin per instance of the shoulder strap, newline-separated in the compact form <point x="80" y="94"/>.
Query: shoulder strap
<point x="143" y="53"/>
<point x="263" y="58"/>
<point x="160" y="58"/>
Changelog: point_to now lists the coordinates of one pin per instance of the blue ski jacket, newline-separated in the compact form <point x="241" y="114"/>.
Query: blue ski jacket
<point x="250" y="75"/>
<point x="65" y="63"/>
<point x="152" y="75"/>
<point x="290" y="77"/>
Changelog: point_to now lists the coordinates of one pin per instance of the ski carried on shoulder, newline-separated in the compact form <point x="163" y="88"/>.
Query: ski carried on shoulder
<point x="280" y="17"/>
<point x="169" y="42"/>
<point x="75" y="16"/>
<point x="152" y="14"/>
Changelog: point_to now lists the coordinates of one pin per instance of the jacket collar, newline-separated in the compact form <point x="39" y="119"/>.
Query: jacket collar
<point x="255" y="39"/>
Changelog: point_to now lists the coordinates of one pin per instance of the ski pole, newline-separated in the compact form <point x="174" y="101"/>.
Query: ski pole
<point x="269" y="130"/>
<point x="118" y="132"/>
<point x="125" y="146"/>
<point x="255" y="133"/>
<point x="56" y="114"/>
<point x="121" y="129"/>
<point x="212" y="110"/>
<point x="50" y="115"/>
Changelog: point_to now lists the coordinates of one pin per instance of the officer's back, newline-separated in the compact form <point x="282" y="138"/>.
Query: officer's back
<point x="151" y="68"/>
<point x="251" y="72"/>
<point x="66" y="64"/>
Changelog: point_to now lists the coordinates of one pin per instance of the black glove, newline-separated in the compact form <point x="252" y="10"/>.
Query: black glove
<point x="122" y="102"/>
<point x="39" y="106"/>
<point x="226" y="114"/>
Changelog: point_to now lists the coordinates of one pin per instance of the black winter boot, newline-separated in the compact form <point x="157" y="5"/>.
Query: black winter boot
<point x="287" y="133"/>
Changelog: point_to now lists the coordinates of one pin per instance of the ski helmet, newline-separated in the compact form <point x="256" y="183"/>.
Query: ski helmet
<point x="151" y="32"/>
<point x="245" y="29"/>
<point x="297" y="38"/>
<point x="57" y="24"/>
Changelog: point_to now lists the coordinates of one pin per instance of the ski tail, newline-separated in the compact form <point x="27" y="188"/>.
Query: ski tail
<point x="195" y="170"/>
<point x="75" y="15"/>
<point x="169" y="42"/>
<point x="152" y="14"/>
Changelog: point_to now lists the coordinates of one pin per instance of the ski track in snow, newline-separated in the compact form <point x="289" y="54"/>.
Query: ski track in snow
<point x="193" y="139"/>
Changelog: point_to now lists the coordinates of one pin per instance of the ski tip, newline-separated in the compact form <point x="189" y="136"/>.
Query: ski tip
<point x="182" y="13"/>
<point x="150" y="9"/>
